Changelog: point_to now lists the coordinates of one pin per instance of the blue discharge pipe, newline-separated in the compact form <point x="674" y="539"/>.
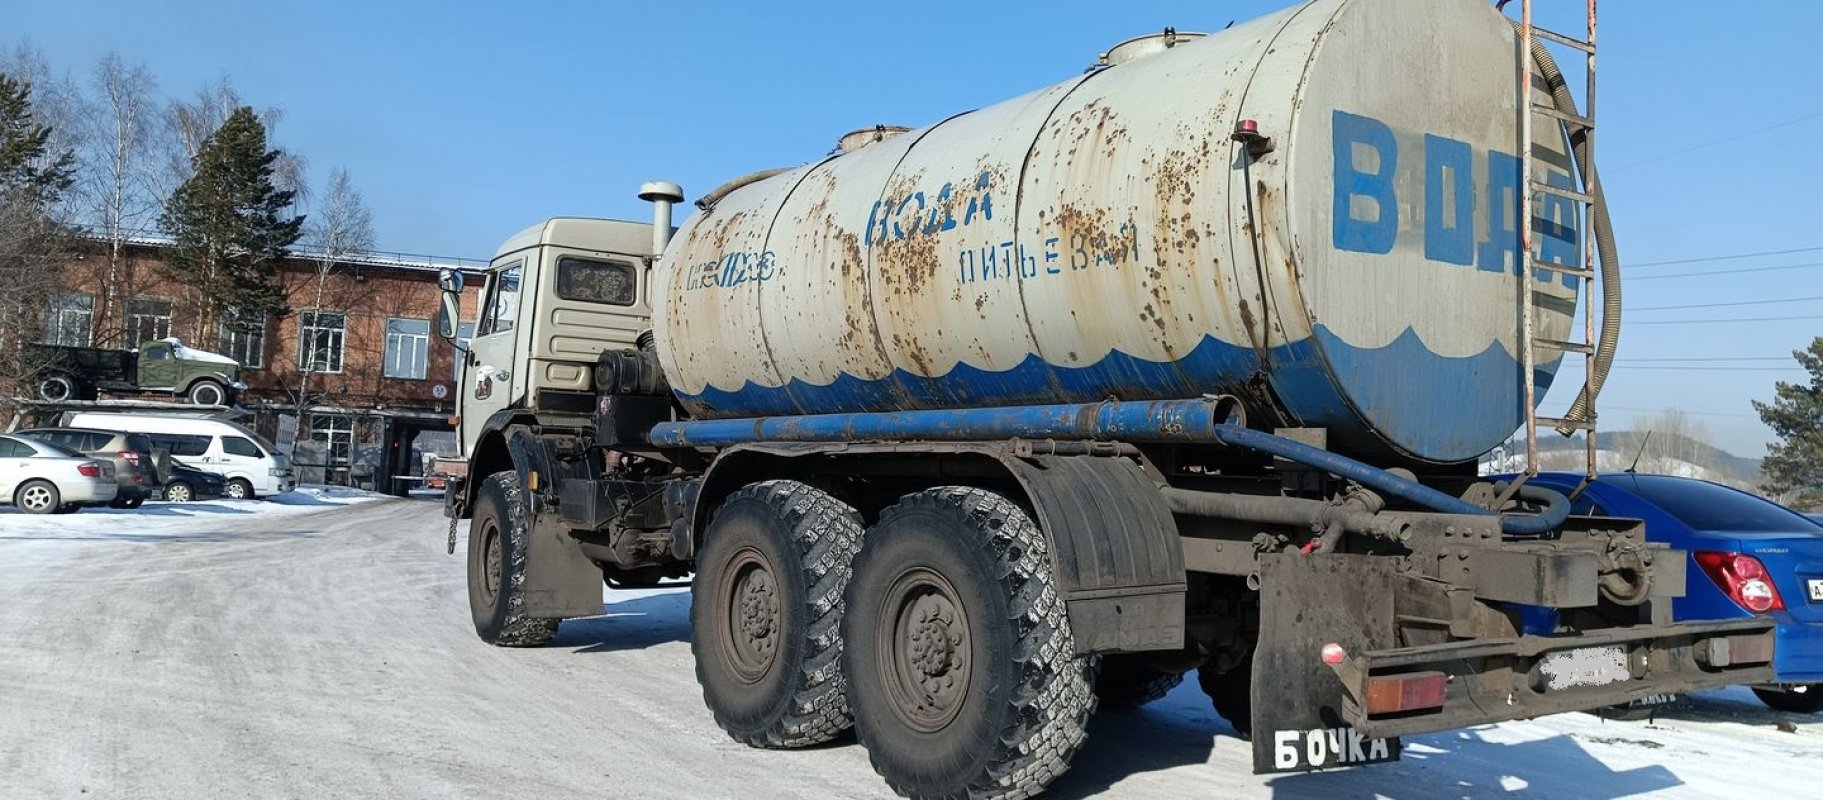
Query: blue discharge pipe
<point x="1200" y="421"/>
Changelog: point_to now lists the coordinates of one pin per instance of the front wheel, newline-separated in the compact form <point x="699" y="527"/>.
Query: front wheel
<point x="767" y="607"/>
<point x="497" y="540"/>
<point x="38" y="497"/>
<point x="961" y="664"/>
<point x="240" y="489"/>
<point x="179" y="492"/>
<point x="1806" y="698"/>
<point x="208" y="393"/>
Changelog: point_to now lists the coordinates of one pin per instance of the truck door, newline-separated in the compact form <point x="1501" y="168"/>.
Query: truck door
<point x="491" y="375"/>
<point x="157" y="367"/>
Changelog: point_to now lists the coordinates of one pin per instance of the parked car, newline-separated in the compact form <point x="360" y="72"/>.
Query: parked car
<point x="251" y="465"/>
<point x="165" y="365"/>
<point x="184" y="483"/>
<point x="1747" y="556"/>
<point x="132" y="454"/>
<point x="44" y="478"/>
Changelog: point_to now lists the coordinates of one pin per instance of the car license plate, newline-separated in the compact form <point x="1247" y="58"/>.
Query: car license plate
<point x="1585" y="666"/>
<point x="1816" y="591"/>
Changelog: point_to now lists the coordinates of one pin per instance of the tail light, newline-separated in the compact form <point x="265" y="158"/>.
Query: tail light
<point x="89" y="470"/>
<point x="1412" y="691"/>
<point x="130" y="457"/>
<point x="1743" y="578"/>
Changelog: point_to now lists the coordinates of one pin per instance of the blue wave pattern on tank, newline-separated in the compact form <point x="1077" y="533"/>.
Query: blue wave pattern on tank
<point x="1442" y="408"/>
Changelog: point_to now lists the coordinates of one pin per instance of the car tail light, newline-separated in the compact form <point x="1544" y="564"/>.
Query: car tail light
<point x="89" y="470"/>
<point x="1744" y="578"/>
<point x="130" y="457"/>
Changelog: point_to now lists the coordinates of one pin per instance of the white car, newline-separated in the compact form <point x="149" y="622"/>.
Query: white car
<point x="44" y="478"/>
<point x="252" y="466"/>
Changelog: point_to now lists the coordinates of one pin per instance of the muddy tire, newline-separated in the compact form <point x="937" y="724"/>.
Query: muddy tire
<point x="961" y="665"/>
<point x="1806" y="700"/>
<point x="1231" y="694"/>
<point x="497" y="540"/>
<point x="1127" y="681"/>
<point x="767" y="610"/>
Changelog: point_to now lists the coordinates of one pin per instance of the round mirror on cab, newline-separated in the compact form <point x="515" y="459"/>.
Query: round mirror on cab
<point x="449" y="280"/>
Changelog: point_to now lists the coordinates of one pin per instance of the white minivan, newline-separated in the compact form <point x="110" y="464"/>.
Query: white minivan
<point x="252" y="466"/>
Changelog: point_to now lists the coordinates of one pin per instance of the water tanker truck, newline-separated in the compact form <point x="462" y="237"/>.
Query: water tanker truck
<point x="1180" y="365"/>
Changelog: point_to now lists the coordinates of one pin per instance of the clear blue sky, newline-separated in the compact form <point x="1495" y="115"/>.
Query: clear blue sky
<point x="462" y="122"/>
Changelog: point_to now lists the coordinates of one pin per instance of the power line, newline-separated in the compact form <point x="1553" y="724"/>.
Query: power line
<point x="1710" y="358"/>
<point x="1727" y="257"/>
<point x="1730" y="139"/>
<point x="1734" y="303"/>
<point x="1713" y="321"/>
<point x="1708" y="272"/>
<point x="1712" y="369"/>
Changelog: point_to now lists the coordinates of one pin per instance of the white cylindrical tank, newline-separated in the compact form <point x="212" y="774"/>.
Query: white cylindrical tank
<point x="1105" y="237"/>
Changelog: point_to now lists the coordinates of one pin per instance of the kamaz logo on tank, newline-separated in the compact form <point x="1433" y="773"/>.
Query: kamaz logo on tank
<point x="1466" y="199"/>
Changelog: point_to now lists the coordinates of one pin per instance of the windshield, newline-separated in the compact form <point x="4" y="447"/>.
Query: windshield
<point x="1711" y="507"/>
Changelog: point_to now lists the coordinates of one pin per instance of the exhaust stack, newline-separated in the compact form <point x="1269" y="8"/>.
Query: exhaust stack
<point x="662" y="195"/>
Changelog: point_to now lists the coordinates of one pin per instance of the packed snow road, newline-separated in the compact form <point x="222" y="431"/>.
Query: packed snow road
<point x="276" y="651"/>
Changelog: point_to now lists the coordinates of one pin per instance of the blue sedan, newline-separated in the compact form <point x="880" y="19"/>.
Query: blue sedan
<point x="1747" y="556"/>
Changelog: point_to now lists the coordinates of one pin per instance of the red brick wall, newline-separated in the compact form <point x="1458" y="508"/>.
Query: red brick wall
<point x="367" y="294"/>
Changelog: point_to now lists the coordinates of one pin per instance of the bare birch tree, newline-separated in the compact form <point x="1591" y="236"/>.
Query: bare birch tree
<point x="340" y="227"/>
<point x="119" y="184"/>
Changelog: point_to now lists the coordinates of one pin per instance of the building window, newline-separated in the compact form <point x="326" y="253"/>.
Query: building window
<point x="68" y="321"/>
<point x="407" y="348"/>
<point x="244" y="337"/>
<point x="147" y="321"/>
<point x="336" y="433"/>
<point x="320" y="336"/>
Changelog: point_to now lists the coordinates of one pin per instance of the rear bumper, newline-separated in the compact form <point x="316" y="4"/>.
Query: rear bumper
<point x="88" y="491"/>
<point x="1799" y="658"/>
<point x="1494" y="680"/>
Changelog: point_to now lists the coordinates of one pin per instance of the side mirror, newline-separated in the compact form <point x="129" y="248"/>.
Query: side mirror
<point x="447" y="315"/>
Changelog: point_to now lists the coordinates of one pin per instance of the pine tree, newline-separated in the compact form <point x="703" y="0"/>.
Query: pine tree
<point x="1794" y="464"/>
<point x="28" y="173"/>
<point x="229" y="227"/>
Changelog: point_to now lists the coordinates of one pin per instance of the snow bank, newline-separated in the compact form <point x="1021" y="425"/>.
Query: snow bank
<point x="157" y="519"/>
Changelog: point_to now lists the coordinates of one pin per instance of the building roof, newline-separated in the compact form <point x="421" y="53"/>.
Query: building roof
<point x="411" y="262"/>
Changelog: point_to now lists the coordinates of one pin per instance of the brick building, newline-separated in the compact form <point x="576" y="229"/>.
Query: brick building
<point x="376" y="366"/>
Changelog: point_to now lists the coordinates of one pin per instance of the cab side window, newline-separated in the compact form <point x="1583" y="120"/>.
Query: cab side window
<point x="502" y="300"/>
<point x="183" y="445"/>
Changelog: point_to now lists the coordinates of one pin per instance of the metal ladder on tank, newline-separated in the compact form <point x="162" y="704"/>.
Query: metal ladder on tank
<point x="1530" y="187"/>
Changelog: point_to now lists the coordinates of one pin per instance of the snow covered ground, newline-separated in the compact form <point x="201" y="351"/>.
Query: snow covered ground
<point x="321" y="647"/>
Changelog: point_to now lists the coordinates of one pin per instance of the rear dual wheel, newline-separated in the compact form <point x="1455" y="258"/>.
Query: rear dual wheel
<point x="767" y="607"/>
<point x="961" y="665"/>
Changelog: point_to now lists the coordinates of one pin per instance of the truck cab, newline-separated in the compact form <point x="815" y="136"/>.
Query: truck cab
<point x="558" y="295"/>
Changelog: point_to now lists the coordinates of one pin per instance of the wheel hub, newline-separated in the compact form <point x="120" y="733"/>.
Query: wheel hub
<point x="928" y="651"/>
<point x="491" y="560"/>
<point x="749" y="596"/>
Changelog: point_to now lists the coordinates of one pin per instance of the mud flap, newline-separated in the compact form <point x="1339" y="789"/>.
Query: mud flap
<point x="560" y="582"/>
<point x="1306" y="602"/>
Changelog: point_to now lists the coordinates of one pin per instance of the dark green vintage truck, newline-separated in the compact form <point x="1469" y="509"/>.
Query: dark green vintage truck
<point x="164" y="365"/>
